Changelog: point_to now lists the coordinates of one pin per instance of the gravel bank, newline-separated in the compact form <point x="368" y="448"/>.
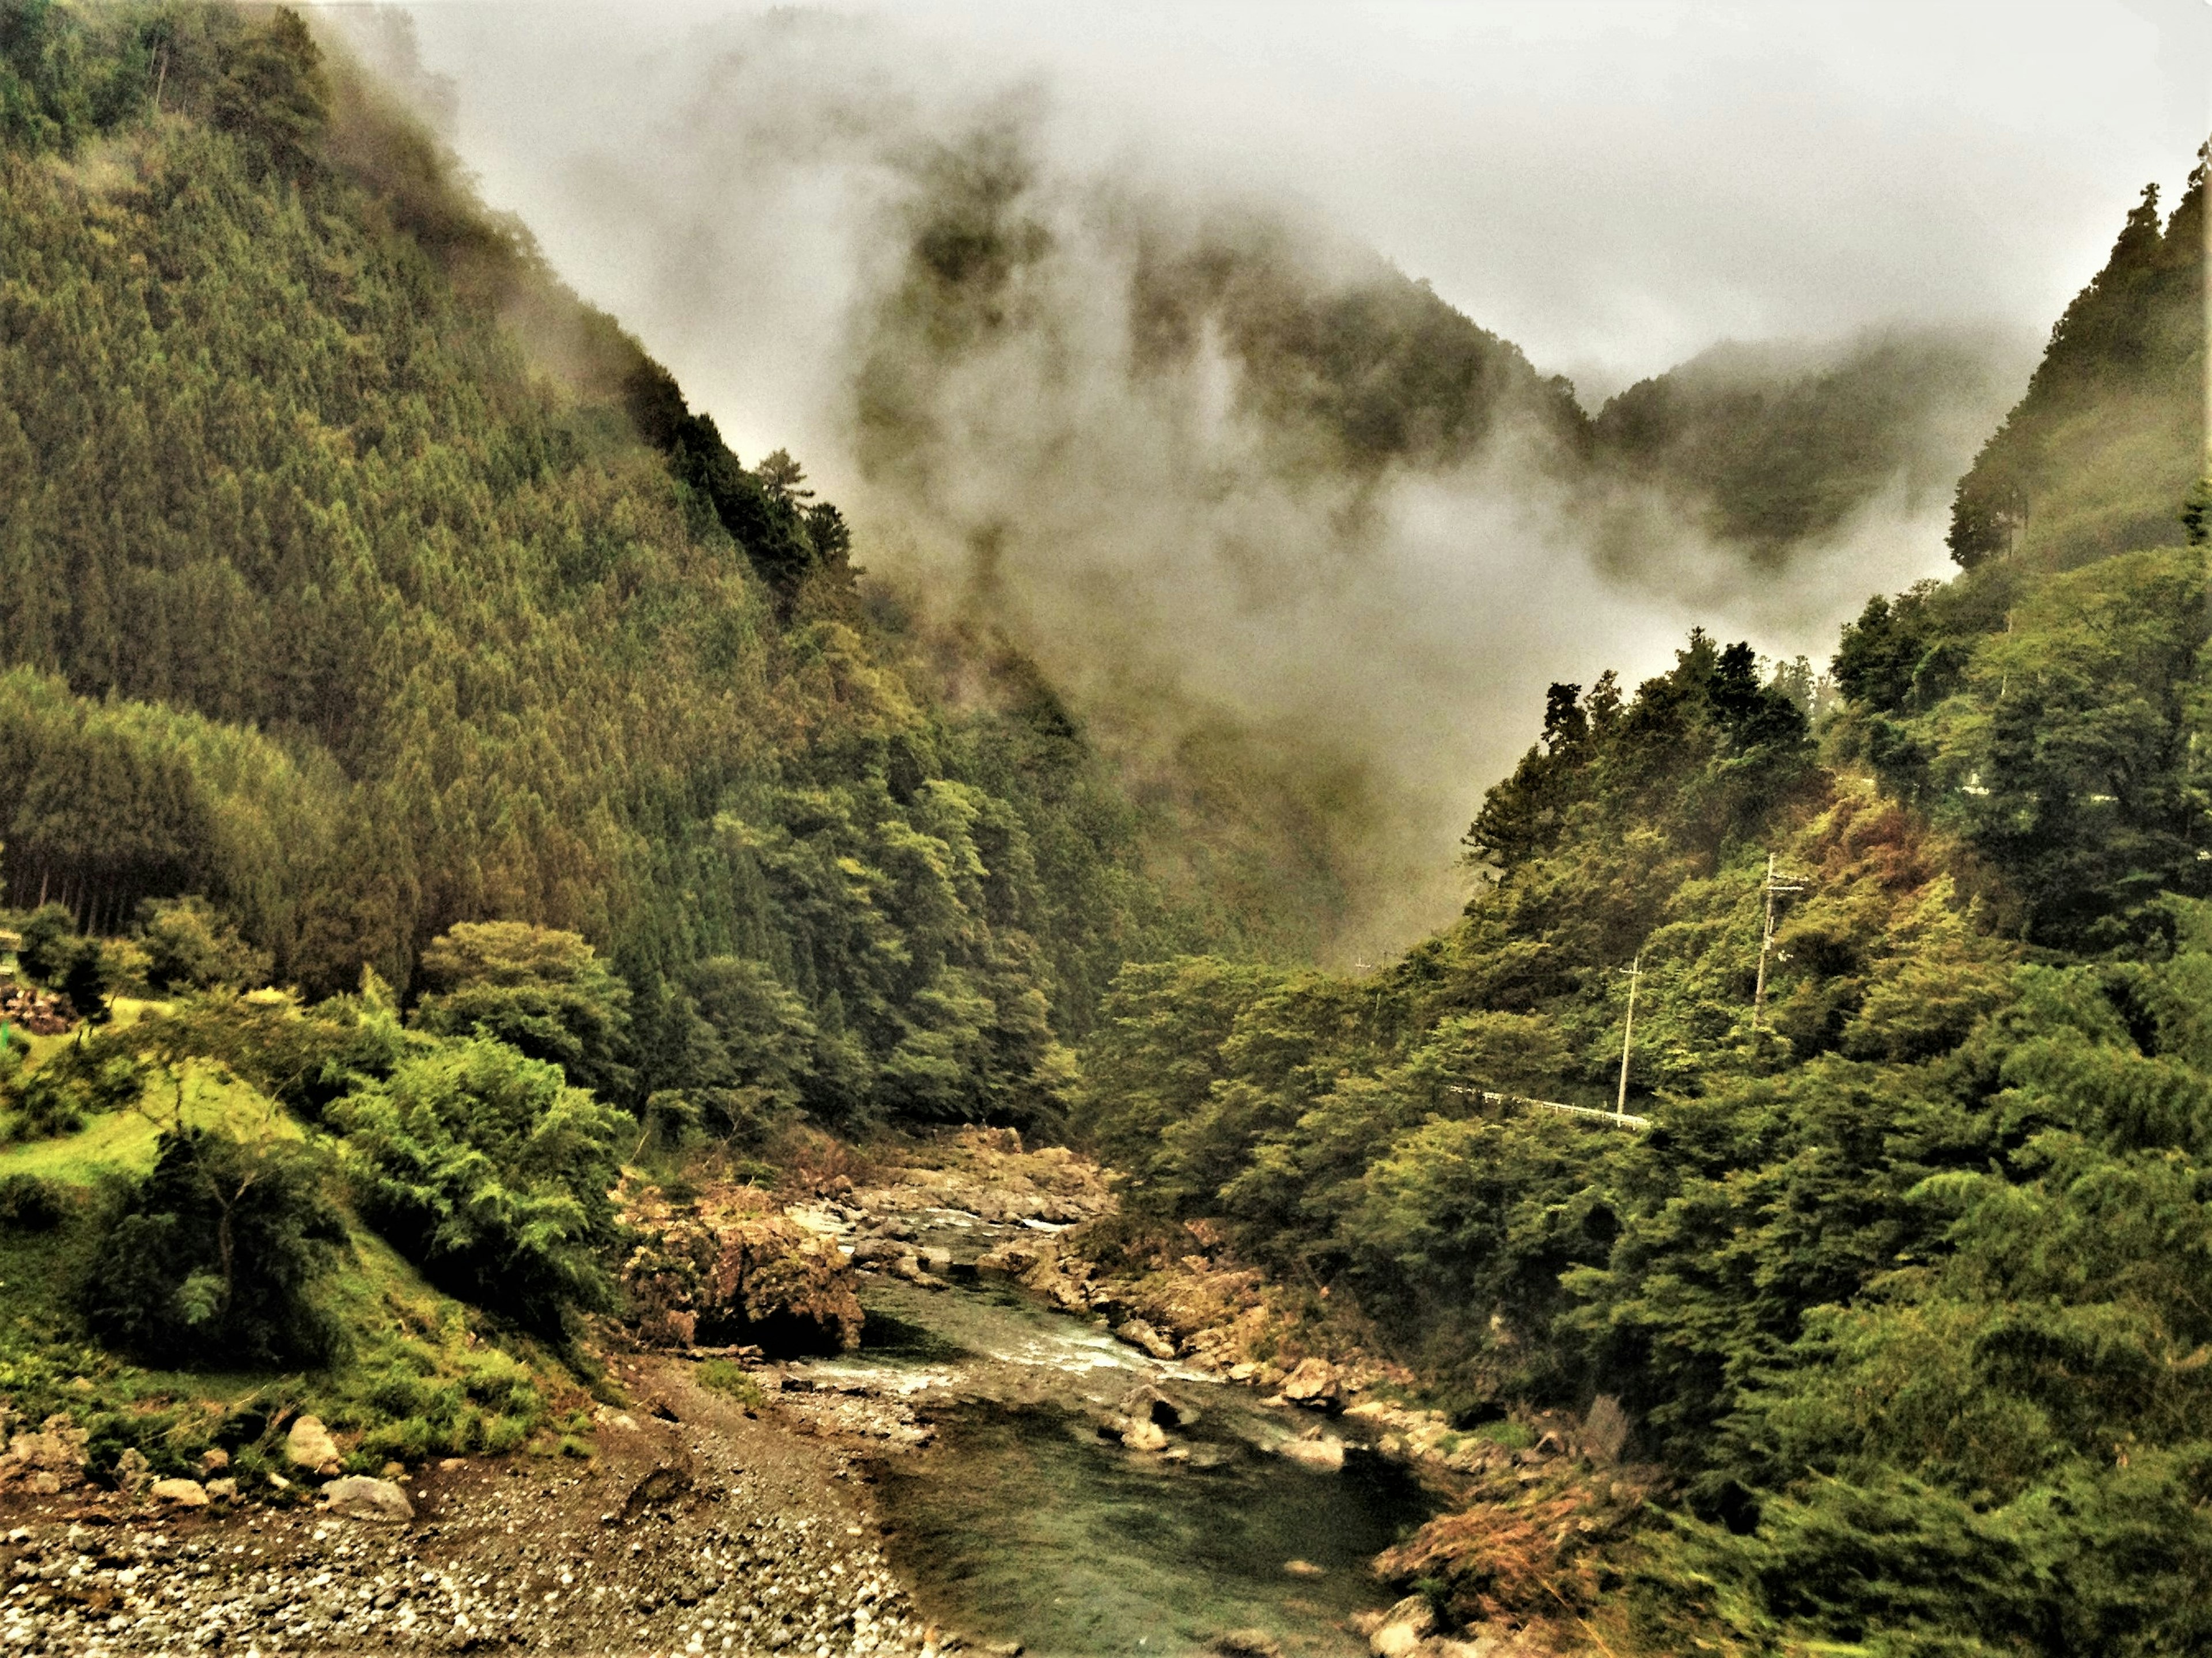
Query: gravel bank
<point x="698" y="1528"/>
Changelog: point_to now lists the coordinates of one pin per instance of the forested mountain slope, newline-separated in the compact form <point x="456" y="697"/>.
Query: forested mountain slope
<point x="354" y="575"/>
<point x="2096" y="457"/>
<point x="1901" y="1285"/>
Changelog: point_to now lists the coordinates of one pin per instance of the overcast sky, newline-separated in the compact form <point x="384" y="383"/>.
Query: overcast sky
<point x="1613" y="186"/>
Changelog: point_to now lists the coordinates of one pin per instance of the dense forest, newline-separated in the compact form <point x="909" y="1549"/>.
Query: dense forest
<point x="438" y="771"/>
<point x="1902" y="1281"/>
<point x="359" y="579"/>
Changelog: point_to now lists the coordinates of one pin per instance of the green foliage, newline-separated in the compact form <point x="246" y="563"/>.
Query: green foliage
<point x="190" y="947"/>
<point x="545" y="993"/>
<point x="332" y="599"/>
<point x="28" y="1204"/>
<point x="56" y="1098"/>
<point x="725" y="1377"/>
<point x="491" y="1173"/>
<point x="212" y="1258"/>
<point x="2098" y="455"/>
<point x="2054" y="724"/>
<point x="44" y="953"/>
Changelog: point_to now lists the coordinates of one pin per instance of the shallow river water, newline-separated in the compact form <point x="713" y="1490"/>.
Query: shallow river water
<point x="1025" y="1521"/>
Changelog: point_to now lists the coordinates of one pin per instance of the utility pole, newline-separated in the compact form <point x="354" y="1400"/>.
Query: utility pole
<point x="1774" y="888"/>
<point x="1628" y="1030"/>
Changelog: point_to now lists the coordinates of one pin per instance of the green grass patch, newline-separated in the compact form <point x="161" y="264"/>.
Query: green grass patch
<point x="1513" y="1436"/>
<point x="122" y="1142"/>
<point x="418" y="1375"/>
<point x="725" y="1377"/>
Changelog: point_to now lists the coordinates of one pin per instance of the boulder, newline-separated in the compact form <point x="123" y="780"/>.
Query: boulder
<point x="133" y="1473"/>
<point x="223" y="1490"/>
<point x="1313" y="1382"/>
<point x="1325" y="1453"/>
<point x="1010" y="1261"/>
<point x="214" y="1460"/>
<point x="359" y="1497"/>
<point x="309" y="1446"/>
<point x="1144" y="1434"/>
<point x="1404" y="1627"/>
<point x="1138" y="1334"/>
<point x="731" y="1277"/>
<point x="184" y="1493"/>
<point x="1144" y="1401"/>
<point x="1605" y="1430"/>
<point x="50" y="1461"/>
<point x="1304" y="1568"/>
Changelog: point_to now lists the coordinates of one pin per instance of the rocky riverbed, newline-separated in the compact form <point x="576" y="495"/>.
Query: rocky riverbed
<point x="696" y="1528"/>
<point x="1013" y="1446"/>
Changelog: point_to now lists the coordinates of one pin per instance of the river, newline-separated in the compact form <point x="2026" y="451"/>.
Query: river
<point x="1027" y="1519"/>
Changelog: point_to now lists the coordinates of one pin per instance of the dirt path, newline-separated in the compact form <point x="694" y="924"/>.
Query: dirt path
<point x="697" y="1529"/>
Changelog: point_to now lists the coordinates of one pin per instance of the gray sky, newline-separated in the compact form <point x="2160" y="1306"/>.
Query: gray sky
<point x="1613" y="186"/>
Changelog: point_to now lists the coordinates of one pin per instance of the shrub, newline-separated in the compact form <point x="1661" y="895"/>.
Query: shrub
<point x="188" y="946"/>
<point x="28" y="1204"/>
<point x="543" y="992"/>
<point x="490" y="1172"/>
<point x="80" y="1081"/>
<point x="42" y="949"/>
<point x="210" y="1259"/>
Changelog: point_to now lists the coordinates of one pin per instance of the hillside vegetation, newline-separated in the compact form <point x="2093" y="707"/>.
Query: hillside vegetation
<point x="1901" y="1286"/>
<point x="353" y="575"/>
<point x="378" y="622"/>
<point x="441" y="779"/>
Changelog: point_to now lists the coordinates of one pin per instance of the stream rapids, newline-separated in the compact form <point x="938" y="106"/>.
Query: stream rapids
<point x="1033" y="1504"/>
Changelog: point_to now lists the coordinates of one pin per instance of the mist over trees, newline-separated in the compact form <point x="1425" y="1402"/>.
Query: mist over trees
<point x="476" y="776"/>
<point x="323" y="597"/>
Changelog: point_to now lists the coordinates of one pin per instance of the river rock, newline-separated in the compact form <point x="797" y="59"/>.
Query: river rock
<point x="1304" y="1568"/>
<point x="738" y="1273"/>
<point x="309" y="1445"/>
<point x="223" y="1490"/>
<point x="1146" y="1401"/>
<point x="359" y="1497"/>
<point x="1404" y="1627"/>
<point x="1325" y="1452"/>
<point x="1144" y="1434"/>
<point x="183" y="1493"/>
<point x="133" y="1472"/>
<point x="214" y="1460"/>
<point x="1138" y="1334"/>
<point x="1313" y="1382"/>
<point x="49" y="1460"/>
<point x="1011" y="1259"/>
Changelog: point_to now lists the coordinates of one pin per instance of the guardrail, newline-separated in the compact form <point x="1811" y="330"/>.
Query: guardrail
<point x="1609" y="1119"/>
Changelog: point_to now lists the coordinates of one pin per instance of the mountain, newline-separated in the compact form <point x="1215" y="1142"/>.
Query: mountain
<point x="354" y="575"/>
<point x="1771" y="449"/>
<point x="2097" y="457"/>
<point x="1893" y="1270"/>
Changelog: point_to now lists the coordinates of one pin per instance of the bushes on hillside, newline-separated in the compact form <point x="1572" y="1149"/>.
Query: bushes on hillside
<point x="545" y="992"/>
<point x="209" y="1261"/>
<point x="491" y="1173"/>
<point x="189" y="946"/>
